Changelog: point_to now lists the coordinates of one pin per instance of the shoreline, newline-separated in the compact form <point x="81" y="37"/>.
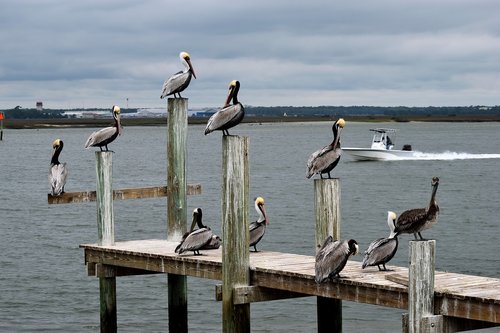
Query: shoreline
<point x="162" y="121"/>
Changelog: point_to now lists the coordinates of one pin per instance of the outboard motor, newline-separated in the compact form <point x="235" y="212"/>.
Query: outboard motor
<point x="406" y="147"/>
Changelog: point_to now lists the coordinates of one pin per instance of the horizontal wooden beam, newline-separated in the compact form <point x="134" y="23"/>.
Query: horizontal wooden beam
<point x="252" y="294"/>
<point x="121" y="194"/>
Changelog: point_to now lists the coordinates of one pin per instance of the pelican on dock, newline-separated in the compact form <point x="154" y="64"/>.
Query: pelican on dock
<point x="58" y="172"/>
<point x="332" y="258"/>
<point x="195" y="240"/>
<point x="324" y="160"/>
<point x="381" y="250"/>
<point x="257" y="229"/>
<point x="105" y="136"/>
<point x="413" y="221"/>
<point x="180" y="80"/>
<point x="230" y="115"/>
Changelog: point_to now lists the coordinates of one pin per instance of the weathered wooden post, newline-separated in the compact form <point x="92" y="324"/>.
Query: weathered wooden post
<point x="177" y="207"/>
<point x="327" y="213"/>
<point x="105" y="237"/>
<point x="421" y="285"/>
<point x="235" y="251"/>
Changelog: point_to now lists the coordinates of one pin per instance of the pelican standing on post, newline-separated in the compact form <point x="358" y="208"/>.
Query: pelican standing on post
<point x="58" y="172"/>
<point x="230" y="115"/>
<point x="180" y="80"/>
<point x="197" y="239"/>
<point x="413" y="221"/>
<point x="332" y="258"/>
<point x="106" y="135"/>
<point x="381" y="250"/>
<point x="324" y="160"/>
<point x="258" y="228"/>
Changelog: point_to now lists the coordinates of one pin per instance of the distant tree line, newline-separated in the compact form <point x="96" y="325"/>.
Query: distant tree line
<point x="21" y="113"/>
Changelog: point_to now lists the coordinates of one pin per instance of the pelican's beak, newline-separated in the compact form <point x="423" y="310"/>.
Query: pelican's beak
<point x="191" y="69"/>
<point x="263" y="209"/>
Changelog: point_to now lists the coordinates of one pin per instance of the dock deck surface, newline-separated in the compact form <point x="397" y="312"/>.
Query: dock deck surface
<point x="456" y="295"/>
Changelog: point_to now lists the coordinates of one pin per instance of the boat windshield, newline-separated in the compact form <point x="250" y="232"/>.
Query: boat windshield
<point x="381" y="138"/>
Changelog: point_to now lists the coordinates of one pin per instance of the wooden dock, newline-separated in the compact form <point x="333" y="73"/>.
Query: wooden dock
<point x="455" y="295"/>
<point x="436" y="301"/>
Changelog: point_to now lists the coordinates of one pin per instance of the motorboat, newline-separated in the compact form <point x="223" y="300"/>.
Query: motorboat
<point x="382" y="148"/>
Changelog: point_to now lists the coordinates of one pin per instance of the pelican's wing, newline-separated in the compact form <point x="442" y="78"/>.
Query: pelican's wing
<point x="409" y="219"/>
<point x="57" y="177"/>
<point x="225" y="118"/>
<point x="380" y="251"/>
<point x="256" y="231"/>
<point x="195" y="240"/>
<point x="176" y="83"/>
<point x="99" y="136"/>
<point x="330" y="257"/>
<point x="320" y="160"/>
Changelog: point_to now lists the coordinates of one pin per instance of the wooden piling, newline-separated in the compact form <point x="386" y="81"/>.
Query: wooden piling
<point x="327" y="216"/>
<point x="177" y="207"/>
<point x="106" y="237"/>
<point x="421" y="285"/>
<point x="235" y="237"/>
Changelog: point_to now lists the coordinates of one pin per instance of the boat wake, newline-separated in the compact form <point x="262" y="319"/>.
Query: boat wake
<point x="445" y="156"/>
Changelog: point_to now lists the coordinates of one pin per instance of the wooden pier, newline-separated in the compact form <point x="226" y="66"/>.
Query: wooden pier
<point x="436" y="301"/>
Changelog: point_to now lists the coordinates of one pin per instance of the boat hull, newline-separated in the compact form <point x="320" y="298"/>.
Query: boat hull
<point x="369" y="154"/>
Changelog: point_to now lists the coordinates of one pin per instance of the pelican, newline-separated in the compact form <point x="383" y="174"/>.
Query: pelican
<point x="381" y="250"/>
<point x="332" y="258"/>
<point x="180" y="80"/>
<point x="105" y="136"/>
<point x="230" y="115"/>
<point x="324" y="160"/>
<point x="413" y="221"/>
<point x="197" y="239"/>
<point x="258" y="228"/>
<point x="58" y="172"/>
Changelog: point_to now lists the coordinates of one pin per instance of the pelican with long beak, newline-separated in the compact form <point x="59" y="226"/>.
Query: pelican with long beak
<point x="381" y="250"/>
<point x="324" y="160"/>
<point x="230" y="115"/>
<point x="105" y="136"/>
<point x="58" y="172"/>
<point x="257" y="229"/>
<point x="180" y="80"/>
<point x="413" y="221"/>
<point x="194" y="240"/>
<point x="332" y="258"/>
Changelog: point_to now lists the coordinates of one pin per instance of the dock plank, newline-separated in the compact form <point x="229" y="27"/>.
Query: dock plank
<point x="458" y="295"/>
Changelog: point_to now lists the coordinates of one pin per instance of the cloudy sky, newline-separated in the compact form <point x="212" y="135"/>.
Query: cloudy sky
<point x="96" y="53"/>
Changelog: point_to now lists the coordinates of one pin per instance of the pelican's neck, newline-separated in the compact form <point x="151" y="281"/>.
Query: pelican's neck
<point x="117" y="123"/>
<point x="432" y="202"/>
<point x="235" y="94"/>
<point x="391" y="222"/>
<point x="262" y="215"/>
<point x="55" y="155"/>
<point x="336" y="137"/>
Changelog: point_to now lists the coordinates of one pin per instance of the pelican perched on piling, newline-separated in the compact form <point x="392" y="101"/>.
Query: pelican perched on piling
<point x="413" y="221"/>
<point x="324" y="160"/>
<point x="332" y="258"/>
<point x="381" y="250"/>
<point x="58" y="172"/>
<point x="258" y="228"/>
<point x="194" y="240"/>
<point x="105" y="136"/>
<point x="230" y="115"/>
<point x="180" y="80"/>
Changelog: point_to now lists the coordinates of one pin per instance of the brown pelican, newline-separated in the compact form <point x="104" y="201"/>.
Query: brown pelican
<point x="332" y="258"/>
<point x="197" y="239"/>
<point x="58" y="172"/>
<point x="413" y="221"/>
<point x="324" y="160"/>
<point x="258" y="228"/>
<point x="106" y="135"/>
<point x="381" y="250"/>
<point x="230" y="115"/>
<point x="180" y="80"/>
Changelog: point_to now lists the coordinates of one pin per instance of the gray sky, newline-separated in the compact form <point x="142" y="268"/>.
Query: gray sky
<point x="96" y="53"/>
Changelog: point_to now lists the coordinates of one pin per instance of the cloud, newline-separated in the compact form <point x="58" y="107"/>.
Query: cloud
<point x="97" y="53"/>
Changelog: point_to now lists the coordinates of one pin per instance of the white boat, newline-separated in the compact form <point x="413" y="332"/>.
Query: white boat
<point x="382" y="148"/>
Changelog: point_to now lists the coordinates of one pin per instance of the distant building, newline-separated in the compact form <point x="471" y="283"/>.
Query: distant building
<point x="39" y="106"/>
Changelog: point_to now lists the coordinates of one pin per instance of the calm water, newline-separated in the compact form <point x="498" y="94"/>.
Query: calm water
<point x="44" y="287"/>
